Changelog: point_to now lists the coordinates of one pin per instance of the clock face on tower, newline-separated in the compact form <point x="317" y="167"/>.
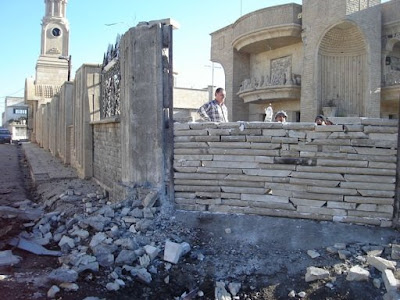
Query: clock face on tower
<point x="56" y="31"/>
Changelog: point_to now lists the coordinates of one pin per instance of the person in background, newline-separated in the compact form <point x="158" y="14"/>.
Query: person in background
<point x="281" y="116"/>
<point x="328" y="122"/>
<point x="215" y="110"/>
<point x="320" y="120"/>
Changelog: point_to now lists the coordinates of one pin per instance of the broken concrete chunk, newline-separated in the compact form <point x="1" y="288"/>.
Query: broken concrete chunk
<point x="395" y="251"/>
<point x="32" y="247"/>
<point x="125" y="257"/>
<point x="150" y="200"/>
<point x="8" y="259"/>
<point x="142" y="275"/>
<point x="314" y="273"/>
<point x="220" y="292"/>
<point x="380" y="263"/>
<point x="66" y="240"/>
<point x="69" y="287"/>
<point x="234" y="288"/>
<point x="144" y="261"/>
<point x="343" y="254"/>
<point x="391" y="283"/>
<point x="51" y="293"/>
<point x="97" y="239"/>
<point x="174" y="251"/>
<point x="313" y="253"/>
<point x="63" y="275"/>
<point x="151" y="251"/>
<point x="112" y="286"/>
<point x="340" y="246"/>
<point x="357" y="273"/>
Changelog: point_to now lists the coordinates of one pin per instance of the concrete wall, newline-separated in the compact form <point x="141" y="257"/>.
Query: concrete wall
<point x="107" y="153"/>
<point x="343" y="173"/>
<point x="64" y="121"/>
<point x="86" y="104"/>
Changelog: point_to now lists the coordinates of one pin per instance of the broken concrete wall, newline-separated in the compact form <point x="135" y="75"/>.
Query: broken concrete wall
<point x="146" y="108"/>
<point x="340" y="172"/>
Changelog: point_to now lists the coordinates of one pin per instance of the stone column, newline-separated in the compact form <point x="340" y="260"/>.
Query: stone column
<point x="146" y="106"/>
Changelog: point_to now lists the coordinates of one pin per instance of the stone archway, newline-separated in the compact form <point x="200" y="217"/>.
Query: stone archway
<point x="342" y="70"/>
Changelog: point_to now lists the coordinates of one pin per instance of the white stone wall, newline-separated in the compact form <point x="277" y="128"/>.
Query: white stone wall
<point x="340" y="172"/>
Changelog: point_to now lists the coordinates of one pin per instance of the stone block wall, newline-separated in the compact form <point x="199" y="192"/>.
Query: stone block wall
<point x="342" y="172"/>
<point x="107" y="153"/>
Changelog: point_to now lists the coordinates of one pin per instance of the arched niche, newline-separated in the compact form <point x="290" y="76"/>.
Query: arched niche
<point x="342" y="70"/>
<point x="392" y="63"/>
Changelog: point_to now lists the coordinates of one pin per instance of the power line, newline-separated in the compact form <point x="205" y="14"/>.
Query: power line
<point x="3" y="97"/>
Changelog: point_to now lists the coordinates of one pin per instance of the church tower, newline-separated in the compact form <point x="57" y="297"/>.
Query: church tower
<point x="50" y="68"/>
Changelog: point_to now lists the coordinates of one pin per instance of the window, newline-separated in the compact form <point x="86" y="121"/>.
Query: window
<point x="20" y="111"/>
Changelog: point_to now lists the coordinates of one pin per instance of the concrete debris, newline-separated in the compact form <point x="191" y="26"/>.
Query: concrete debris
<point x="220" y="292"/>
<point x="313" y="253"/>
<point x="395" y="251"/>
<point x="234" y="288"/>
<point x="314" y="273"/>
<point x="32" y="247"/>
<point x="150" y="199"/>
<point x="112" y="286"/>
<point x="380" y="263"/>
<point x="391" y="283"/>
<point x="63" y="275"/>
<point x="142" y="275"/>
<point x="301" y="294"/>
<point x="69" y="287"/>
<point x="174" y="251"/>
<point x="151" y="251"/>
<point x="292" y="294"/>
<point x="357" y="273"/>
<point x="30" y="214"/>
<point x="118" y="238"/>
<point x="52" y="292"/>
<point x="7" y="258"/>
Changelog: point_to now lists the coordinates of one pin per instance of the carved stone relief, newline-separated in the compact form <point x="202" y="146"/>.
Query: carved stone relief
<point x="281" y="74"/>
<point x="281" y="70"/>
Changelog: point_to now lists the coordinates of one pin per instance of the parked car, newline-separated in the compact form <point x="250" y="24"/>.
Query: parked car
<point x="5" y="135"/>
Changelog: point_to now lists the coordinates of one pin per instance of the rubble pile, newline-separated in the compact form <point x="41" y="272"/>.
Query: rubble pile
<point x="114" y="238"/>
<point x="360" y="262"/>
<point x="120" y="244"/>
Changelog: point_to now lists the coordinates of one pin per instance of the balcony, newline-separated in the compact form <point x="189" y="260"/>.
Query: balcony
<point x="268" y="29"/>
<point x="263" y="89"/>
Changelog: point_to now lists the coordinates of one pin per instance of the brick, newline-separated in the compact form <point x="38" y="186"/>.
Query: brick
<point x="314" y="182"/>
<point x="265" y="198"/>
<point x="322" y="210"/>
<point x="307" y="202"/>
<point x="317" y="175"/>
<point x="368" y="185"/>
<point x="369" y="178"/>
<point x="373" y="200"/>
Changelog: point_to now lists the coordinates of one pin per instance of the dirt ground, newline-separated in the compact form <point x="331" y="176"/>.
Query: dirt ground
<point x="267" y="256"/>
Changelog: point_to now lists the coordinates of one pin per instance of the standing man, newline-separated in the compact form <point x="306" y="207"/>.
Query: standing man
<point x="215" y="110"/>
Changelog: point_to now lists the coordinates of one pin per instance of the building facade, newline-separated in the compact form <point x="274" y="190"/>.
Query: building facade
<point x="337" y="57"/>
<point x="15" y="118"/>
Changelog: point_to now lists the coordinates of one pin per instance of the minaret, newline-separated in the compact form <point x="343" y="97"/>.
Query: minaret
<point x="50" y="69"/>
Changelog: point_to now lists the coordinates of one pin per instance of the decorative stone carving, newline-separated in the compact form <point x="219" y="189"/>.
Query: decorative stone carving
<point x="280" y="69"/>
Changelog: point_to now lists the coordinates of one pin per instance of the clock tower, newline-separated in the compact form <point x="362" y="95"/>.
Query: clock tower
<point x="50" y="69"/>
